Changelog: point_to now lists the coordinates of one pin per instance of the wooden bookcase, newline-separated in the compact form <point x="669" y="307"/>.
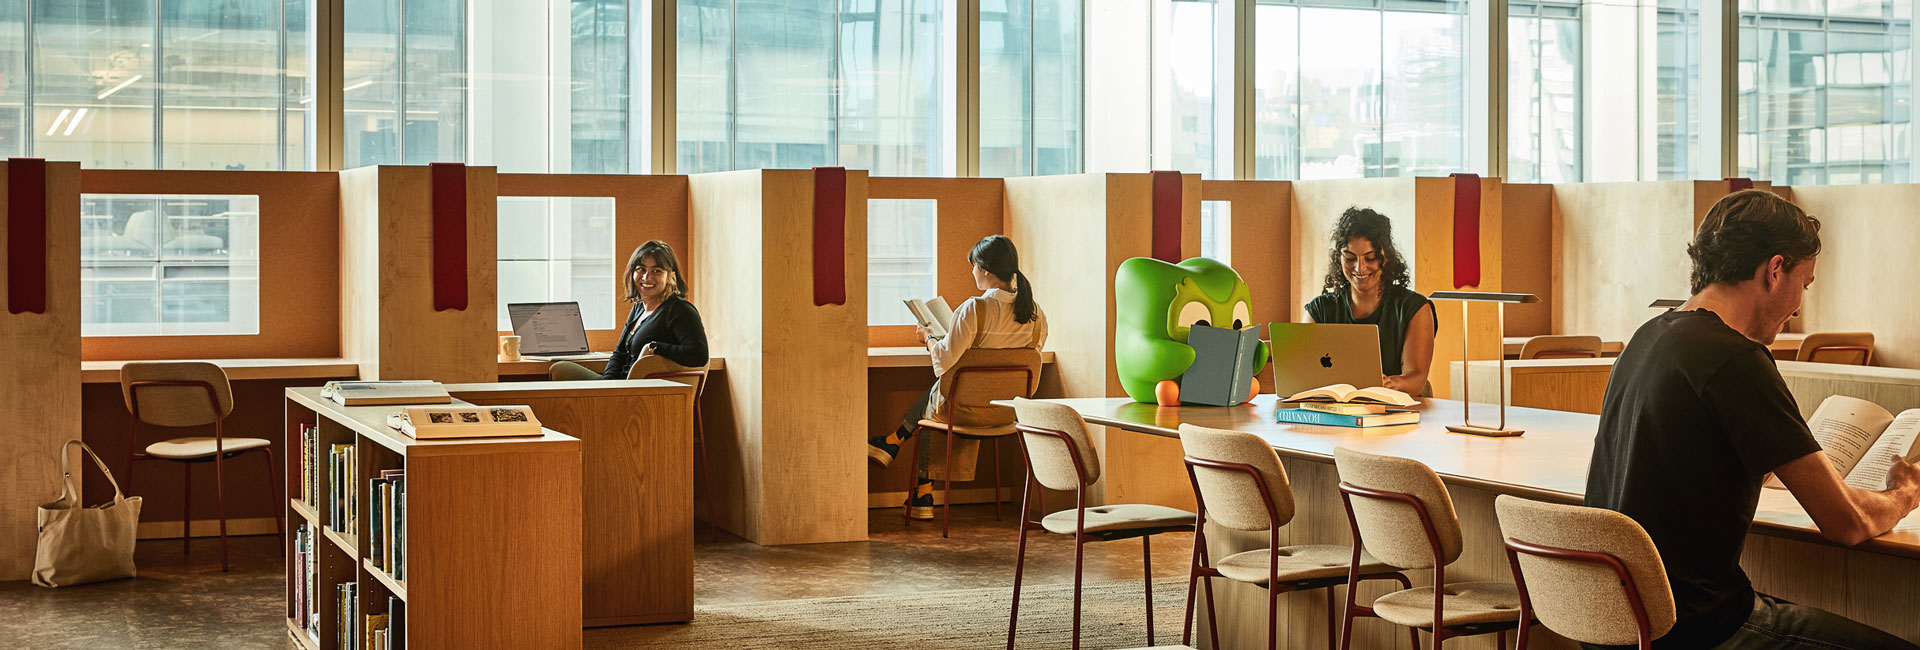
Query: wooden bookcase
<point x="492" y="541"/>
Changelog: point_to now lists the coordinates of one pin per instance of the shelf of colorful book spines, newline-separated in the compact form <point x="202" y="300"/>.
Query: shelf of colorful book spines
<point x="352" y="502"/>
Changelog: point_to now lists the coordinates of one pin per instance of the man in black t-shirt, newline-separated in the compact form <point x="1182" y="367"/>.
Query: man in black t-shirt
<point x="1696" y="415"/>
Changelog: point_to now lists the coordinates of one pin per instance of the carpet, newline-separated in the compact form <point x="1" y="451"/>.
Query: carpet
<point x="1112" y="616"/>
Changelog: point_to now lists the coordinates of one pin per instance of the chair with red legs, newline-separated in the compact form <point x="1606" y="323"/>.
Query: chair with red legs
<point x="1589" y="574"/>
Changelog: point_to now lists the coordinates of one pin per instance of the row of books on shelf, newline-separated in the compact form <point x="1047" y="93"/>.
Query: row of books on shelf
<point x="369" y="631"/>
<point x="343" y="466"/>
<point x="387" y="518"/>
<point x="306" y="579"/>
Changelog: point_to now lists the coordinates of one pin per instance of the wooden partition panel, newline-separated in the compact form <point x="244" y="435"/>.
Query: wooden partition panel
<point x="40" y="380"/>
<point x="1621" y="246"/>
<point x="1862" y="229"/>
<point x="645" y="208"/>
<point x="967" y="210"/>
<point x="299" y="264"/>
<point x="1526" y="256"/>
<point x="788" y="469"/>
<point x="389" y="324"/>
<point x="1434" y="269"/>
<point x="1260" y="247"/>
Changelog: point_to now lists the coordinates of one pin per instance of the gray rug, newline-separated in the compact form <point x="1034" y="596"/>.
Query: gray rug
<point x="1113" y="615"/>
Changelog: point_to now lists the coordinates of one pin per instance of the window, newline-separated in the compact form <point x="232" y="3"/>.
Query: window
<point x="185" y="84"/>
<point x="1344" y="92"/>
<point x="558" y="249"/>
<point x="1216" y="231"/>
<point x="1030" y="87"/>
<point x="1825" y="89"/>
<point x="405" y="82"/>
<point x="900" y="265"/>
<point x="172" y="264"/>
<point x="1180" y="116"/>
<point x="1679" y="95"/>
<point x="1543" y="92"/>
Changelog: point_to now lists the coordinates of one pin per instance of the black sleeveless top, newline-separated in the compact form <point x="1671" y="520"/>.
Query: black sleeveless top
<point x="1393" y="318"/>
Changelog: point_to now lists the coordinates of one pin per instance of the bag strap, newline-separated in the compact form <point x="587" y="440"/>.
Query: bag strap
<point x="69" y="487"/>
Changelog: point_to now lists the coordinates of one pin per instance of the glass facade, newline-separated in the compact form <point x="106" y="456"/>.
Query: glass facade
<point x="1825" y="91"/>
<point x="558" y="249"/>
<point x="1543" y="92"/>
<point x="1030" y="87"/>
<point x="1678" y="94"/>
<point x="170" y="264"/>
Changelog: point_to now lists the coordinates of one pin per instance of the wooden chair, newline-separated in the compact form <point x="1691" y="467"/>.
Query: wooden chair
<point x="968" y="390"/>
<point x="658" y="367"/>
<point x="190" y="394"/>
<point x="1559" y="346"/>
<point x="1405" y="518"/>
<point x="1060" y="456"/>
<point x="1589" y="574"/>
<point x="1239" y="482"/>
<point x="1851" y="348"/>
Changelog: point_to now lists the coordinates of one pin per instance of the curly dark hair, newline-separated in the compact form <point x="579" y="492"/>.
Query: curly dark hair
<point x="1376" y="229"/>
<point x="1744" y="230"/>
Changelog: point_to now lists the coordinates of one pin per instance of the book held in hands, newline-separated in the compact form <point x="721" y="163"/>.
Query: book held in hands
<point x="440" y="422"/>
<point x="933" y="315"/>
<point x="1863" y="440"/>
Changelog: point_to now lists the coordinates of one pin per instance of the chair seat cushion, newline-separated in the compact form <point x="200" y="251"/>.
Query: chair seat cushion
<point x="1466" y="602"/>
<point x="1304" y="562"/>
<point x="185" y="448"/>
<point x="971" y="432"/>
<point x="1102" y="519"/>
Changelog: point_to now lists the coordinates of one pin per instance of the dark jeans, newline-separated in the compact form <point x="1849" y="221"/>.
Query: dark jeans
<point x="1778" y="624"/>
<point x="910" y="421"/>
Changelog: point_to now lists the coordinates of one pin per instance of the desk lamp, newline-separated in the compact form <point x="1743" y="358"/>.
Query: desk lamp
<point x="1466" y="370"/>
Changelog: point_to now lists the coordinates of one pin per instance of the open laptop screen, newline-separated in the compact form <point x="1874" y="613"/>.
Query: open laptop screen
<point x="548" y="328"/>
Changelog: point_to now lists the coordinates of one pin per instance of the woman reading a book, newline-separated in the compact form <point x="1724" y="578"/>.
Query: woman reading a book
<point x="1367" y="283"/>
<point x="1003" y="316"/>
<point x="661" y="323"/>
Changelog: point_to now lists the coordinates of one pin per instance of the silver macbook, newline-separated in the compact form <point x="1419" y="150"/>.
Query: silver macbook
<point x="1311" y="355"/>
<point x="550" y="330"/>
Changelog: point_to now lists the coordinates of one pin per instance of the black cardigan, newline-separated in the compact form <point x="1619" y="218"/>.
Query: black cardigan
<point x="675" y="333"/>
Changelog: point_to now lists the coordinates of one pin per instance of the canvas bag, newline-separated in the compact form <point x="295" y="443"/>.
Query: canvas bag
<point x="81" y="545"/>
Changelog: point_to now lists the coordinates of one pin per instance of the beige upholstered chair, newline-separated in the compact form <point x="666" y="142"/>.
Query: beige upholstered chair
<point x="1591" y="575"/>
<point x="654" y="366"/>
<point x="1404" y="516"/>
<point x="1060" y="456"/>
<point x="1239" y="484"/>
<point x="966" y="411"/>
<point x="1557" y="346"/>
<point x="190" y="394"/>
<point x="1852" y="348"/>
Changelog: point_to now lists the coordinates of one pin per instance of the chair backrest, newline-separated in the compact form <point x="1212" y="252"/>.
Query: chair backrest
<point x="1561" y="558"/>
<point x="983" y="375"/>
<point x="1232" y="497"/>
<point x="1560" y="346"/>
<point x="654" y="366"/>
<point x="1392" y="530"/>
<point x="1047" y="455"/>
<point x="1854" y="348"/>
<point x="164" y="393"/>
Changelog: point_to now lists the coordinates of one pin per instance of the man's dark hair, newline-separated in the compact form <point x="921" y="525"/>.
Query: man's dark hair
<point x="1743" y="231"/>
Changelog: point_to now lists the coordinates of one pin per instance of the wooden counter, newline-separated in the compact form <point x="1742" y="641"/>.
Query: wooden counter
<point x="1785" y="347"/>
<point x="108" y="372"/>
<point x="1579" y="384"/>
<point x="1786" y="555"/>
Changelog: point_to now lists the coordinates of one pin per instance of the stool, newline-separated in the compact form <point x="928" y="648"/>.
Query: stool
<point x="1591" y="575"/>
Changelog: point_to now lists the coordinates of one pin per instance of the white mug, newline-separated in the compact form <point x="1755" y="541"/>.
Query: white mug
<point x="509" y="348"/>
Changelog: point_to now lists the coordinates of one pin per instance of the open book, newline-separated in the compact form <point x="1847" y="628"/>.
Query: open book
<point x="370" y="393"/>
<point x="1862" y="440"/>
<point x="933" y="314"/>
<point x="1347" y="393"/>
<point x="436" y="422"/>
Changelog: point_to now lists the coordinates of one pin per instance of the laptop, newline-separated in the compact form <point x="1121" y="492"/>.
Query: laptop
<point x="551" y="331"/>
<point x="1311" y="355"/>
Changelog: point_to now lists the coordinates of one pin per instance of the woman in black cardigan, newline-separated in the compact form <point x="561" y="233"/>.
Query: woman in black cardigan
<point x="661" y="322"/>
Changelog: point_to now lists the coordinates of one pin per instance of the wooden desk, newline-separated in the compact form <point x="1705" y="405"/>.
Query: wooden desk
<point x="636" y="440"/>
<point x="108" y="372"/>
<point x="915" y="357"/>
<point x="1579" y="384"/>
<point x="532" y="367"/>
<point x="1785" y="347"/>
<point x="1785" y="555"/>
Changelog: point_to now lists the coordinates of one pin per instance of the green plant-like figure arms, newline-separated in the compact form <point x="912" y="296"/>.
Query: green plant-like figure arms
<point x="1155" y="303"/>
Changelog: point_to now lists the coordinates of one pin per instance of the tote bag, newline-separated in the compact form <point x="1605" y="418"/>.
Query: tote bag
<point x="81" y="545"/>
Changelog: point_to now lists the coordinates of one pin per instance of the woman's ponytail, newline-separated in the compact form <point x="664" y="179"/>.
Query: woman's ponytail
<point x="1022" y="298"/>
<point x="997" y="256"/>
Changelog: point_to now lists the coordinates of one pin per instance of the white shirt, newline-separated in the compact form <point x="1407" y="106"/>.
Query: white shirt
<point x="992" y="324"/>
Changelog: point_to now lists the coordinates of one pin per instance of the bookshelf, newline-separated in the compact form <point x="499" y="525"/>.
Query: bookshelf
<point x="490" y="551"/>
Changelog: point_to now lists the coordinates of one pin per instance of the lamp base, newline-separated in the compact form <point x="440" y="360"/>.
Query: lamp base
<point x="1490" y="432"/>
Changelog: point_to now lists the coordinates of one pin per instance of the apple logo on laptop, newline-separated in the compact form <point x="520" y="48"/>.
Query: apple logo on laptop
<point x="1326" y="361"/>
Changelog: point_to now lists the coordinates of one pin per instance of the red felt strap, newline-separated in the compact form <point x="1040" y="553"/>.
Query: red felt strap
<point x="829" y="236"/>
<point x="449" y="235"/>
<point x="1738" y="184"/>
<point x="26" y="235"/>
<point x="1167" y="186"/>
<point x="1466" y="230"/>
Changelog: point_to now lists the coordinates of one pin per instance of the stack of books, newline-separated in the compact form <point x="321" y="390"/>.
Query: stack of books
<point x="309" y="439"/>
<point x="1342" y="405"/>
<point x="387" y="514"/>
<point x="373" y="393"/>
<point x="304" y="582"/>
<point x="344" y="468"/>
<point x="347" y="597"/>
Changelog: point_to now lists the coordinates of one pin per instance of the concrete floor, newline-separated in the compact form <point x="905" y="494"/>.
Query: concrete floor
<point x="182" y="602"/>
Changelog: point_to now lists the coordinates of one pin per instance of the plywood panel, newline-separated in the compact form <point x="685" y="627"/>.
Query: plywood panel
<point x="41" y="376"/>
<point x="727" y="240"/>
<point x="1434" y="271"/>
<point x="1577" y="385"/>
<point x="1620" y="246"/>
<point x="299" y="263"/>
<point x="1526" y="257"/>
<point x="1060" y="224"/>
<point x="1862" y="227"/>
<point x="390" y="326"/>
<point x="645" y="208"/>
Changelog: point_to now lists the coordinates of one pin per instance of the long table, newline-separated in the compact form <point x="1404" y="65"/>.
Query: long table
<point x="1786" y="556"/>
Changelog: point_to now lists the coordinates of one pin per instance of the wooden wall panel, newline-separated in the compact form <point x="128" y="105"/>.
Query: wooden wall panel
<point x="724" y="213"/>
<point x="1620" y="246"/>
<point x="645" y="208"/>
<point x="299" y="264"/>
<point x="967" y="210"/>
<point x="1434" y="271"/>
<point x="1060" y="224"/>
<point x="1862" y="227"/>
<point x="1526" y="256"/>
<point x="40" y="380"/>
<point x="388" y="321"/>
<point x="1259" y="247"/>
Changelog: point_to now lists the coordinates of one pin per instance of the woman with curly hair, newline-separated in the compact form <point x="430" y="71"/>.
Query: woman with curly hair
<point x="1367" y="283"/>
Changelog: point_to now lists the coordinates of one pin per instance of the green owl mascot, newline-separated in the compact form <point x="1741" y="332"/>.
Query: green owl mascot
<point x="1155" y="304"/>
